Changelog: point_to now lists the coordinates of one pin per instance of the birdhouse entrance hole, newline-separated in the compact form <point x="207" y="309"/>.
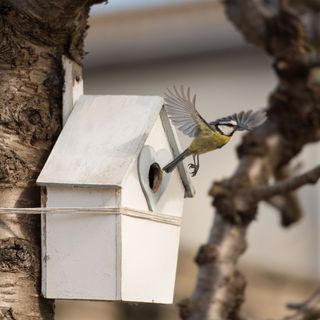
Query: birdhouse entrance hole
<point x="155" y="177"/>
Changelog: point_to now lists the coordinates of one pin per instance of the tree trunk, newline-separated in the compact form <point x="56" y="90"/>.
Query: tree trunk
<point x="34" y="35"/>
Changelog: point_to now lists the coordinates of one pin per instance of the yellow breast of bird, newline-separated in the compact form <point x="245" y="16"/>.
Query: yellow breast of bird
<point x="208" y="141"/>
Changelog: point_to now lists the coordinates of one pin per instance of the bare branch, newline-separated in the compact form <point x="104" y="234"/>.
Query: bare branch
<point x="216" y="261"/>
<point x="287" y="204"/>
<point x="308" y="310"/>
<point x="281" y="187"/>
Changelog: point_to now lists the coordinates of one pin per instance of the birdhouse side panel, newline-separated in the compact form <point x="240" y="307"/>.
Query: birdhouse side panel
<point x="149" y="260"/>
<point x="68" y="196"/>
<point x="171" y="200"/>
<point x="80" y="256"/>
<point x="74" y="266"/>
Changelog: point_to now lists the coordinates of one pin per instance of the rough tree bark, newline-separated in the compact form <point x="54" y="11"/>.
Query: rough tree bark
<point x="293" y="121"/>
<point x="34" y="35"/>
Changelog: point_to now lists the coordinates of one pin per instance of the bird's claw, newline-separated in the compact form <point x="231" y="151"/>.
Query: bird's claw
<point x="194" y="168"/>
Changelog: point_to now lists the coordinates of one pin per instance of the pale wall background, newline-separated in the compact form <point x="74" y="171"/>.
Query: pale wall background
<point x="143" y="48"/>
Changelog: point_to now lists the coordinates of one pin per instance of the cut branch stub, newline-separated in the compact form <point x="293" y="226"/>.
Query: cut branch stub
<point x="288" y="204"/>
<point x="207" y="253"/>
<point x="185" y="308"/>
<point x="17" y="255"/>
<point x="233" y="201"/>
<point x="238" y="286"/>
<point x="252" y="144"/>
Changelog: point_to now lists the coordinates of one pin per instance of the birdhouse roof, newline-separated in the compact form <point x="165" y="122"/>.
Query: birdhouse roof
<point x="101" y="140"/>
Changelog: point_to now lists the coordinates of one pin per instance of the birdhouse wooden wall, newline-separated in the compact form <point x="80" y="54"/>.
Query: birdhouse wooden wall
<point x="170" y="201"/>
<point x="121" y="240"/>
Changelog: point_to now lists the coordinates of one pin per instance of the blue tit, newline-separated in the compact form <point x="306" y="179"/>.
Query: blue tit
<point x="207" y="136"/>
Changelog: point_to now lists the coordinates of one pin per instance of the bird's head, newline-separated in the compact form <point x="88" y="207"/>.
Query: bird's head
<point x="244" y="120"/>
<point x="227" y="128"/>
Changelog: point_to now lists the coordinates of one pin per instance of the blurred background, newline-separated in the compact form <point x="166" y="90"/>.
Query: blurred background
<point x="141" y="47"/>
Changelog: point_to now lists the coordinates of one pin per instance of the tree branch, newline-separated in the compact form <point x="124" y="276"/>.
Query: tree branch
<point x="216" y="261"/>
<point x="285" y="186"/>
<point x="219" y="292"/>
<point x="307" y="310"/>
<point x="288" y="206"/>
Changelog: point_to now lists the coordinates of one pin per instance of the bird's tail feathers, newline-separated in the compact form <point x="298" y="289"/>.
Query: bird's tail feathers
<point x="171" y="165"/>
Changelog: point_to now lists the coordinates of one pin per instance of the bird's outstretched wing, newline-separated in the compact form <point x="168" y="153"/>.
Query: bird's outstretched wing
<point x="182" y="111"/>
<point x="246" y="120"/>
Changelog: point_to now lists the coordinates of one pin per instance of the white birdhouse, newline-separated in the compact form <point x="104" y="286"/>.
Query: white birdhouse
<point x="122" y="241"/>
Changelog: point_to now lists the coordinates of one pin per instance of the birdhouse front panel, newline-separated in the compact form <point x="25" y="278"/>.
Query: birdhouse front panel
<point x="154" y="189"/>
<point x="120" y="240"/>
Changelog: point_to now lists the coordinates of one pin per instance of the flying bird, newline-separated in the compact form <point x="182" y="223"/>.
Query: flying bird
<point x="207" y="136"/>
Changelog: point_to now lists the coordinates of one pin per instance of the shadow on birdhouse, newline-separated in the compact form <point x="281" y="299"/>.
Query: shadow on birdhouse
<point x="123" y="243"/>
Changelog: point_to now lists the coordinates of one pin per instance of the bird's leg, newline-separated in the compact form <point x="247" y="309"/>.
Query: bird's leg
<point x="195" y="165"/>
<point x="192" y="165"/>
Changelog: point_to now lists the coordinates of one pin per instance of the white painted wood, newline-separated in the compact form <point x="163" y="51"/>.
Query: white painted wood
<point x="135" y="200"/>
<point x="44" y="254"/>
<point x="152" y="161"/>
<point x="149" y="259"/>
<point x="176" y="150"/>
<point x="171" y="202"/>
<point x="73" y="89"/>
<point x="66" y="196"/>
<point x="74" y="264"/>
<point x="94" y="256"/>
<point x="66" y="257"/>
<point x="316" y="157"/>
<point x="101" y="140"/>
<point x="147" y="215"/>
<point x="81" y="257"/>
<point x="73" y="86"/>
<point x="129" y="253"/>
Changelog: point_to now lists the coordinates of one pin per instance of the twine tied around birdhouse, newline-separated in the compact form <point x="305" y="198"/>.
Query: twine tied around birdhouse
<point x="162" y="218"/>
